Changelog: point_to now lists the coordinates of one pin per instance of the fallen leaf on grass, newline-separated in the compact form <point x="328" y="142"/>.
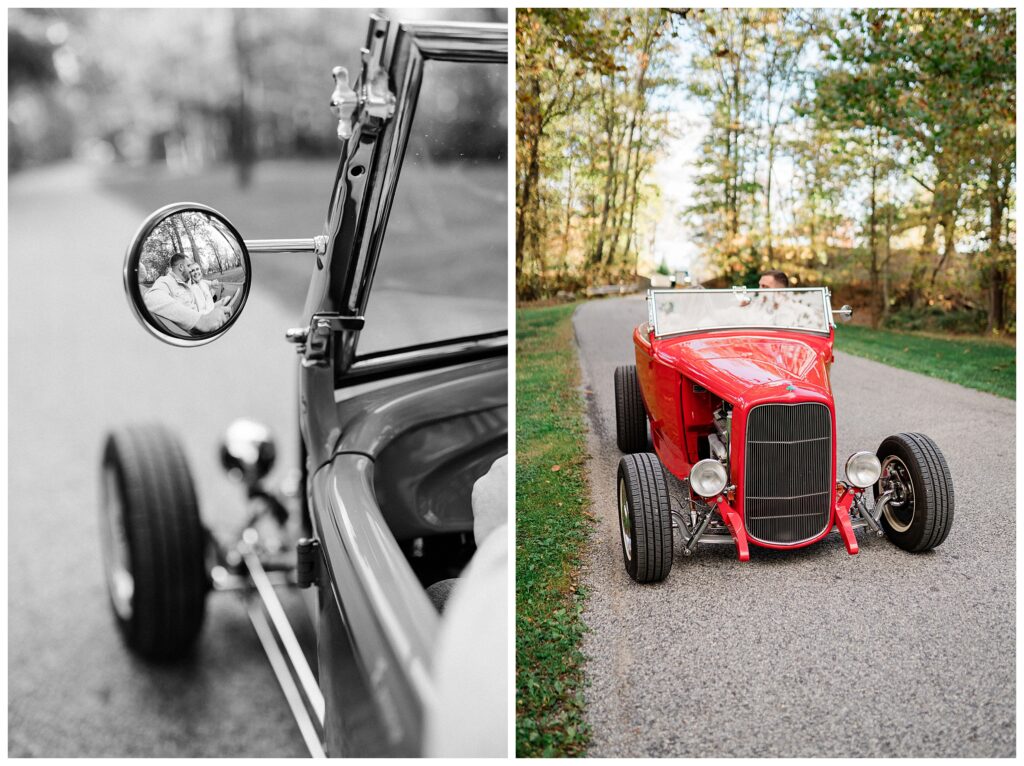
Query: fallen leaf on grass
<point x="556" y="468"/>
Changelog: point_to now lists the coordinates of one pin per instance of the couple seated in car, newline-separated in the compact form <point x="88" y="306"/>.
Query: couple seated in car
<point x="183" y="297"/>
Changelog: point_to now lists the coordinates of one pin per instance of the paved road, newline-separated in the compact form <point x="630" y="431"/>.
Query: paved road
<point x="811" y="652"/>
<point x="79" y="364"/>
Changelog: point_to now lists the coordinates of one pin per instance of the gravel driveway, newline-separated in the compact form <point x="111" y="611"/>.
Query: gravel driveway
<point x="811" y="652"/>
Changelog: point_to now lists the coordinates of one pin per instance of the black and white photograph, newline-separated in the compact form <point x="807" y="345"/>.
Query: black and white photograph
<point x="258" y="392"/>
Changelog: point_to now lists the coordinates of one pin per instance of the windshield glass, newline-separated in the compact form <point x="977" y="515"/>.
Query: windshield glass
<point x="443" y="271"/>
<point x="679" y="311"/>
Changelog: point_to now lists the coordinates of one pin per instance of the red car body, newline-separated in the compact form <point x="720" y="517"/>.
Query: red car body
<point x="683" y="378"/>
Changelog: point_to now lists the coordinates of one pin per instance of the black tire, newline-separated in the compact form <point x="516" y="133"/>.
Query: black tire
<point x="152" y="533"/>
<point x="630" y="413"/>
<point x="643" y="503"/>
<point x="920" y="520"/>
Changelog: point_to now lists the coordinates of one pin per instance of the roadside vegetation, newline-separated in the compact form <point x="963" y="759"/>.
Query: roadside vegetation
<point x="552" y="525"/>
<point x="978" y="363"/>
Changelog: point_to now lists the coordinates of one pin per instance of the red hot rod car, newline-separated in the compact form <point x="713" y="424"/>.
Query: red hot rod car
<point x="734" y="386"/>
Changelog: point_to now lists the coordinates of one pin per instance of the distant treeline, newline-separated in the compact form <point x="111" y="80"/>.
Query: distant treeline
<point x="867" y="149"/>
<point x="193" y="87"/>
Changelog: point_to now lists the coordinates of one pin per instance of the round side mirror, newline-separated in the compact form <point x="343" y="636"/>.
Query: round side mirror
<point x="845" y="313"/>
<point x="187" y="274"/>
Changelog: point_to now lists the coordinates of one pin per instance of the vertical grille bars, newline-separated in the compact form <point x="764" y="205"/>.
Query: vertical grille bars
<point x="788" y="486"/>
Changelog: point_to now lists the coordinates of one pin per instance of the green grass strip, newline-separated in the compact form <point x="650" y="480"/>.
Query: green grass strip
<point x="978" y="363"/>
<point x="552" y="526"/>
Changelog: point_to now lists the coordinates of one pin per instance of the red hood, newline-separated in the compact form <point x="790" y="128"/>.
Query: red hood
<point x="744" y="369"/>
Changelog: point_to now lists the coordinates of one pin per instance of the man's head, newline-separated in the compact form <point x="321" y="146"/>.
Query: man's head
<point x="179" y="267"/>
<point x="773" y="280"/>
<point x="196" y="271"/>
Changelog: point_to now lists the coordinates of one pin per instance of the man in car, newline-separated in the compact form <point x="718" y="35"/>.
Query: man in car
<point x="785" y="309"/>
<point x="773" y="280"/>
<point x="171" y="299"/>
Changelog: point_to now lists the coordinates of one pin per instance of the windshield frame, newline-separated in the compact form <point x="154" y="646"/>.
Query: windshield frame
<point x="361" y="203"/>
<point x="652" y="313"/>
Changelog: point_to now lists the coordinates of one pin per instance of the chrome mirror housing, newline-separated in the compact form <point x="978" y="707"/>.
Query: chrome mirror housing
<point x="845" y="313"/>
<point x="187" y="274"/>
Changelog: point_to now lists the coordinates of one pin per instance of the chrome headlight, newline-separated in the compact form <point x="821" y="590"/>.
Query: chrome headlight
<point x="708" y="478"/>
<point x="863" y="469"/>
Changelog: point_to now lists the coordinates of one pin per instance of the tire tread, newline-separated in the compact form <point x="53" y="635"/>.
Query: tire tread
<point x="652" y="519"/>
<point x="630" y="412"/>
<point x="165" y="539"/>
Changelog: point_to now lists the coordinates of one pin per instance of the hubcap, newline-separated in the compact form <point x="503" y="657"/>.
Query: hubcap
<point x="899" y="511"/>
<point x="120" y="582"/>
<point x="624" y="526"/>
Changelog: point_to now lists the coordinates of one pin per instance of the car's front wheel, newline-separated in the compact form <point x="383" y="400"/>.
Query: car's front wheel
<point x="630" y="413"/>
<point x="645" y="518"/>
<point x="919" y="511"/>
<point x="154" y="544"/>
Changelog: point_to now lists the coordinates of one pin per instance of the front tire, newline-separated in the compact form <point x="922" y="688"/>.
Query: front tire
<point x="630" y="413"/>
<point x="154" y="544"/>
<point x="919" y="513"/>
<point x="645" y="518"/>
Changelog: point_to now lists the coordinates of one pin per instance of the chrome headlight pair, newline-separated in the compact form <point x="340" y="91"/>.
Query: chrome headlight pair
<point x="709" y="477"/>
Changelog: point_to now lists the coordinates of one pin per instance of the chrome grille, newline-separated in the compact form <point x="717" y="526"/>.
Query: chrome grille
<point x="788" y="485"/>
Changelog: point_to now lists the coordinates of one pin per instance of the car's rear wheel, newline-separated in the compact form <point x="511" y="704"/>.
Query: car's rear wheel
<point x="154" y="544"/>
<point x="919" y="512"/>
<point x="630" y="413"/>
<point x="645" y="518"/>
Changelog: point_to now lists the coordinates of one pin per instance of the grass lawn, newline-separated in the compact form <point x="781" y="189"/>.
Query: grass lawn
<point x="979" y="363"/>
<point x="552" y="525"/>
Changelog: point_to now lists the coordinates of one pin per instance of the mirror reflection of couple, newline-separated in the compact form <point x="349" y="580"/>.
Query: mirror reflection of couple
<point x="183" y="297"/>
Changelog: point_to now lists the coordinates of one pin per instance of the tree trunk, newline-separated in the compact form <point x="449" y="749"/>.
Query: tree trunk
<point x="597" y="258"/>
<point x="531" y="179"/>
<point x="998" y="193"/>
<point x="948" y="236"/>
<point x="873" y="243"/>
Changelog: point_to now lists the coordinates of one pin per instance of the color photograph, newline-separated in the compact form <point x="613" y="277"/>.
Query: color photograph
<point x="765" y="382"/>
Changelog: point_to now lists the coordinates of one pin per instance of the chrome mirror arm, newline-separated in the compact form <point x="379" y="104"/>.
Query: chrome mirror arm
<point x="317" y="245"/>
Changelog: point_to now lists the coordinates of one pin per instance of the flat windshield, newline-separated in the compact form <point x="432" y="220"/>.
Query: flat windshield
<point x="680" y="311"/>
<point x="443" y="268"/>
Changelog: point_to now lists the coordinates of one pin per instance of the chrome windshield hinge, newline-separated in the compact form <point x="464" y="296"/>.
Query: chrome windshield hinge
<point x="370" y="103"/>
<point x="314" y="342"/>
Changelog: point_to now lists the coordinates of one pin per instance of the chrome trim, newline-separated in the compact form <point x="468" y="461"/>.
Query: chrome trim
<point x="776" y="455"/>
<point x="282" y="648"/>
<point x="279" y="665"/>
<point x="317" y="245"/>
<point x="873" y="516"/>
